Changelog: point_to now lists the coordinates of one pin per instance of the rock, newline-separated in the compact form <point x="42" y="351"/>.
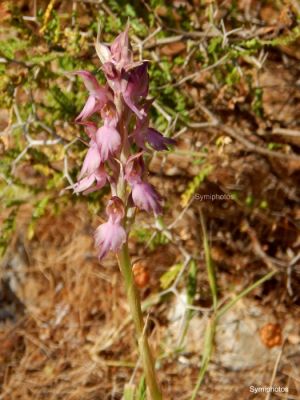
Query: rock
<point x="247" y="336"/>
<point x="238" y="342"/>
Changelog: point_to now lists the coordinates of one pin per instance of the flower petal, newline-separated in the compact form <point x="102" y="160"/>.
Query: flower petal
<point x="108" y="141"/>
<point x="103" y="52"/>
<point x="115" y="209"/>
<point x="109" y="237"/>
<point x="134" y="168"/>
<point x="84" y="183"/>
<point x="137" y="87"/>
<point x="90" y="128"/>
<point x="89" y="80"/>
<point x="92" y="160"/>
<point x="121" y="50"/>
<point x="130" y="103"/>
<point x="157" y="140"/>
<point x="100" y="177"/>
<point x="146" y="198"/>
<point x="88" y="109"/>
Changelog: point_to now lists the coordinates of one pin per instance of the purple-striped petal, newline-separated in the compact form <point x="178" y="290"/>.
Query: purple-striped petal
<point x="109" y="236"/>
<point x="146" y="198"/>
<point x="136" y="88"/>
<point x="121" y="52"/>
<point x="108" y="141"/>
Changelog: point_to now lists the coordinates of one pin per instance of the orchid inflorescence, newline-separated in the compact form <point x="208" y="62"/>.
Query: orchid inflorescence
<point x="123" y="105"/>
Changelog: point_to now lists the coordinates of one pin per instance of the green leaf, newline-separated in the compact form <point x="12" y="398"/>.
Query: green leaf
<point x="7" y="229"/>
<point x="10" y="46"/>
<point x="38" y="211"/>
<point x="141" y="391"/>
<point x="192" y="282"/>
<point x="169" y="277"/>
<point x="129" y="392"/>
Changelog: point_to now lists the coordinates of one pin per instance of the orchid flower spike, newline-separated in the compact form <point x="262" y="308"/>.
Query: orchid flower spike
<point x="123" y="107"/>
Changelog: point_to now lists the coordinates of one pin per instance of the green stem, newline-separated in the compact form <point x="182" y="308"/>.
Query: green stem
<point x="212" y="326"/>
<point x="209" y="264"/>
<point x="208" y="349"/>
<point x="243" y="293"/>
<point x="137" y="316"/>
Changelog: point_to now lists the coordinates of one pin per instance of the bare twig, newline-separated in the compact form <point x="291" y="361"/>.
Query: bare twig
<point x="255" y="148"/>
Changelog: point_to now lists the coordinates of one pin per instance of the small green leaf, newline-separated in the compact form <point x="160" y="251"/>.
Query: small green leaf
<point x="192" y="282"/>
<point x="38" y="211"/>
<point x="129" y="391"/>
<point x="141" y="391"/>
<point x="169" y="277"/>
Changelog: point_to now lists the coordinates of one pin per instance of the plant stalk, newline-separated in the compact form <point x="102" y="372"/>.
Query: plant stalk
<point x="137" y="316"/>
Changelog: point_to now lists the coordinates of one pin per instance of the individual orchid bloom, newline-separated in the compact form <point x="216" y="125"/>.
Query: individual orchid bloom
<point x="111" y="235"/>
<point x="132" y="85"/>
<point x="146" y="198"/>
<point x="143" y="194"/>
<point x="92" y="160"/>
<point x="136" y="88"/>
<point x="90" y="128"/>
<point x="123" y="75"/>
<point x="108" y="141"/>
<point x="98" y="95"/>
<point x="119" y="53"/>
<point x="114" y="77"/>
<point x="109" y="114"/>
<point x="86" y="184"/>
<point x="143" y="135"/>
<point x="134" y="169"/>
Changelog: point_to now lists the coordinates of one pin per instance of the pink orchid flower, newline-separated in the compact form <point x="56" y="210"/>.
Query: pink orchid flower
<point x="85" y="184"/>
<point x="111" y="235"/>
<point x="143" y="194"/>
<point x="98" y="95"/>
<point x="143" y="135"/>
<point x="108" y="141"/>
<point x="119" y="53"/>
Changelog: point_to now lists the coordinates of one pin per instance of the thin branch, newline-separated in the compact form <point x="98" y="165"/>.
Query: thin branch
<point x="255" y="148"/>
